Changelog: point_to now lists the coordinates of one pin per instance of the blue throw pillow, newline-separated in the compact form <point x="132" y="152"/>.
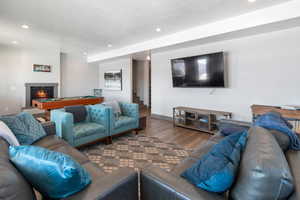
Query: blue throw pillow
<point x="53" y="174"/>
<point x="79" y="113"/>
<point x="216" y="170"/>
<point x="26" y="129"/>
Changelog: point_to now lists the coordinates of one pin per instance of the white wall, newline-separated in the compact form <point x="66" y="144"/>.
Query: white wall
<point x="126" y="65"/>
<point x="78" y="78"/>
<point x="16" y="70"/>
<point x="262" y="69"/>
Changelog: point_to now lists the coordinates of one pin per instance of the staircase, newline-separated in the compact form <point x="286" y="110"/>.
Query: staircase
<point x="136" y="99"/>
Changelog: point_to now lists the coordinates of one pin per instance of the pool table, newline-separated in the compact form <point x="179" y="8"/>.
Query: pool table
<point x="56" y="103"/>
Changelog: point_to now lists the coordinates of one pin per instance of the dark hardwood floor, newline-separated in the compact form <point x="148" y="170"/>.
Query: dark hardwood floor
<point x="164" y="130"/>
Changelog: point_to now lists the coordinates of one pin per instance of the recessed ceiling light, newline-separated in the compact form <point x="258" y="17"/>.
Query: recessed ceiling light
<point x="251" y="1"/>
<point x="14" y="42"/>
<point x="85" y="53"/>
<point x="109" y="45"/>
<point x="158" y="29"/>
<point x="25" y="26"/>
<point x="148" y="58"/>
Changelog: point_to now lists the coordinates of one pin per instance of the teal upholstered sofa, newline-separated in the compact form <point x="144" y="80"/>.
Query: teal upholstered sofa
<point x="95" y="127"/>
<point x="128" y="120"/>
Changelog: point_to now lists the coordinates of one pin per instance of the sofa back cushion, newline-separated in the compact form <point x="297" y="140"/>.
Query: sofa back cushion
<point x="282" y="139"/>
<point x="13" y="186"/>
<point x="293" y="158"/>
<point x="264" y="172"/>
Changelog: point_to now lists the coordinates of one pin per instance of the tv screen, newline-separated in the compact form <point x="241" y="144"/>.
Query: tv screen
<point x="199" y="71"/>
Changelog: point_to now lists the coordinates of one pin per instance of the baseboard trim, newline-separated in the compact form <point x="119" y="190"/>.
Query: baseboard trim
<point x="161" y="117"/>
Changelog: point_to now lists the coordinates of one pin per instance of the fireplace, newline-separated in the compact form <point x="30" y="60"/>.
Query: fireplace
<point x="40" y="91"/>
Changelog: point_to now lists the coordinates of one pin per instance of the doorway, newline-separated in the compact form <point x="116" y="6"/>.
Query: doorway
<point x="141" y="81"/>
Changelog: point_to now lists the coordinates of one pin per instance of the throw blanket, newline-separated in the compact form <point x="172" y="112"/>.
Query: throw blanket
<point x="8" y="135"/>
<point x="275" y="121"/>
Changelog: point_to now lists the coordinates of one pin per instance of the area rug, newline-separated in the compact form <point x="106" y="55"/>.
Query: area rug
<point x="136" y="151"/>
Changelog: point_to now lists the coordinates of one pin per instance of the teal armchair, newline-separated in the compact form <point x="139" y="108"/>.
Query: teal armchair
<point x="95" y="127"/>
<point x="128" y="120"/>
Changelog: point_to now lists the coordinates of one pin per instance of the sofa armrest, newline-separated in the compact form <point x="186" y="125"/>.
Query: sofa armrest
<point x="49" y="128"/>
<point x="64" y="123"/>
<point x="158" y="184"/>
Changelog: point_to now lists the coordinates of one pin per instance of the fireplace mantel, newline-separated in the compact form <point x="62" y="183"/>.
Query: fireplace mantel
<point x="28" y="88"/>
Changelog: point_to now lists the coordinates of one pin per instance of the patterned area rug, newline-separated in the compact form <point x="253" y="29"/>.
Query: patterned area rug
<point x="136" y="152"/>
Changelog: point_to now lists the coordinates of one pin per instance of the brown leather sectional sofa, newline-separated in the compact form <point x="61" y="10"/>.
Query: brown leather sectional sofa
<point x="122" y="184"/>
<point x="158" y="184"/>
<point x="155" y="183"/>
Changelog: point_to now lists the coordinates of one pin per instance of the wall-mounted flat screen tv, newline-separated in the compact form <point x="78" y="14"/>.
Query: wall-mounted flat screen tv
<point x="199" y="71"/>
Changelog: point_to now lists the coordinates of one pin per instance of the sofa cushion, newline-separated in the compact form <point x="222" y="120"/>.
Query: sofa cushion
<point x="79" y="113"/>
<point x="158" y="184"/>
<point x="293" y="158"/>
<point x="264" y="172"/>
<point x="123" y="121"/>
<point x="54" y="143"/>
<point x="282" y="139"/>
<point x="117" y="185"/>
<point x="25" y="127"/>
<point x="203" y="149"/>
<point x="74" y="153"/>
<point x="49" y="142"/>
<point x="53" y="174"/>
<point x="216" y="170"/>
<point x="182" y="166"/>
<point x="4" y="149"/>
<point x="84" y="129"/>
<point x="13" y="185"/>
